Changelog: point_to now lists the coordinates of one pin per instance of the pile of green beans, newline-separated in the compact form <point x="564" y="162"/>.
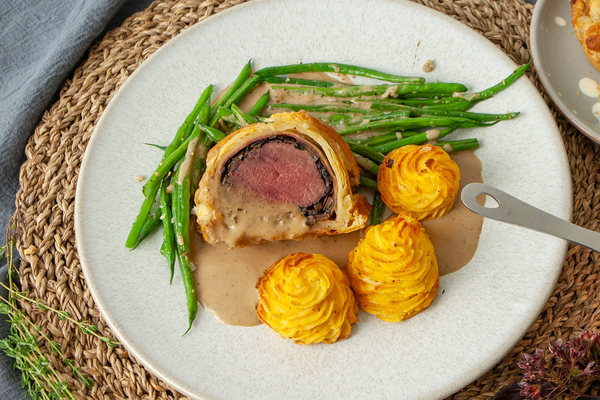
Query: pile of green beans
<point x="372" y="119"/>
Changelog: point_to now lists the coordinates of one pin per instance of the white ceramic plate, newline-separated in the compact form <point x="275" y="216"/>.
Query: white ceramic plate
<point x="480" y="312"/>
<point x="561" y="63"/>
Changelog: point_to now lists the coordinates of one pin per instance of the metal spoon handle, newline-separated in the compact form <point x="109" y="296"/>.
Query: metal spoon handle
<point x="516" y="212"/>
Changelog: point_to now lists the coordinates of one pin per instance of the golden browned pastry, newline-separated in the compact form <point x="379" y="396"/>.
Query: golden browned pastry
<point x="306" y="298"/>
<point x="586" y="22"/>
<point x="288" y="178"/>
<point x="393" y="270"/>
<point x="419" y="180"/>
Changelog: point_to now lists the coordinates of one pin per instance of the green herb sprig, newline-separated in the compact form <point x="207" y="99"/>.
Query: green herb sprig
<point x="39" y="378"/>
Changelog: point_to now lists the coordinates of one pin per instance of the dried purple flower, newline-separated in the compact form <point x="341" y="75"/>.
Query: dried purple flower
<point x="559" y="349"/>
<point x="588" y="336"/>
<point x="533" y="366"/>
<point x="529" y="390"/>
<point x="573" y="367"/>
<point x="578" y="348"/>
<point x="591" y="369"/>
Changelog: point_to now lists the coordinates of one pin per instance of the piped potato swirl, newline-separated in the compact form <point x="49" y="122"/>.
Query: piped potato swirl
<point x="306" y="298"/>
<point x="419" y="180"/>
<point x="393" y="270"/>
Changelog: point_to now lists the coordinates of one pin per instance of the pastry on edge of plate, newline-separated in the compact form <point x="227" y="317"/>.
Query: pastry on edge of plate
<point x="585" y="15"/>
<point x="290" y="177"/>
<point x="306" y="298"/>
<point x="393" y="270"/>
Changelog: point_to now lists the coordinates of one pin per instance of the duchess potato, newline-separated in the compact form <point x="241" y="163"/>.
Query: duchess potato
<point x="306" y="298"/>
<point x="421" y="181"/>
<point x="393" y="270"/>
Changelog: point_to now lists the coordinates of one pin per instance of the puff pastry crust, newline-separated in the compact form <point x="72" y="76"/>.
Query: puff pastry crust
<point x="585" y="15"/>
<point x="306" y="298"/>
<point x="419" y="180"/>
<point x="393" y="270"/>
<point x="350" y="210"/>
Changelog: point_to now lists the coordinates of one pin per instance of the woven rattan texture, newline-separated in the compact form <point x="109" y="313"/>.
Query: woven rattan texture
<point x="50" y="268"/>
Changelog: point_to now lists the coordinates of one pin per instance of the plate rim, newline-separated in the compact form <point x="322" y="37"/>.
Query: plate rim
<point x="178" y="385"/>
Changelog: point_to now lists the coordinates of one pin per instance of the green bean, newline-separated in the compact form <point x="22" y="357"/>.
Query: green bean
<point x="296" y="81"/>
<point x="425" y="95"/>
<point x="221" y="112"/>
<point x="486" y="94"/>
<point x="167" y="248"/>
<point x="181" y="214"/>
<point x="377" y="209"/>
<point x="335" y="67"/>
<point x="368" y="182"/>
<point x="423" y="112"/>
<point x="149" y="225"/>
<point x="215" y="134"/>
<point x="233" y="120"/>
<point x="319" y="108"/>
<point x="204" y="99"/>
<point x="134" y="234"/>
<point x="204" y="114"/>
<point x="239" y="81"/>
<point x="167" y="164"/>
<point x="456" y="106"/>
<point x="380" y="139"/>
<point x="481" y="117"/>
<point x="381" y="116"/>
<point x="204" y="144"/>
<point x="365" y="151"/>
<point x="418" y="139"/>
<point x="260" y="104"/>
<point x="190" y="291"/>
<point x="404" y="123"/>
<point x="339" y="120"/>
<point x="394" y="104"/>
<point x="375" y="90"/>
<point x="459" y="145"/>
<point x="366" y="164"/>
<point x="243" y="91"/>
<point x="242" y="116"/>
<point x="163" y="148"/>
<point x="184" y="131"/>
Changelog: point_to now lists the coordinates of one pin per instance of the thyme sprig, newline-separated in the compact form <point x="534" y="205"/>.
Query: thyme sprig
<point x="39" y="378"/>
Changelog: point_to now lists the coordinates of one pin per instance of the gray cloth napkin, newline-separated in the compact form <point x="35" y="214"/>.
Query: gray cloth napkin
<point x="42" y="41"/>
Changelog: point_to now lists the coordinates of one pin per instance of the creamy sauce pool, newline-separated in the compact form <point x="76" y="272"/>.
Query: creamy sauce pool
<point x="226" y="279"/>
<point x="455" y="236"/>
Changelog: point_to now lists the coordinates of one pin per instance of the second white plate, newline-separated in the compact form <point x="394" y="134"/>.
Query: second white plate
<point x="561" y="64"/>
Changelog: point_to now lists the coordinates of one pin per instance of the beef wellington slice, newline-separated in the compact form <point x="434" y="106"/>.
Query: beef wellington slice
<point x="290" y="177"/>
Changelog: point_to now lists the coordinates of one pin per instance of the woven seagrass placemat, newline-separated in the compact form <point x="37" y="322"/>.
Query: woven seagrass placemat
<point x="50" y="268"/>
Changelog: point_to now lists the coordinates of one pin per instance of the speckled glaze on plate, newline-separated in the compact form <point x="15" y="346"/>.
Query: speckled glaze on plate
<point x="561" y="63"/>
<point x="480" y="312"/>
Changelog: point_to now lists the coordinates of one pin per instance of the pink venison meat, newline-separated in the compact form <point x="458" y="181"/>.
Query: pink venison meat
<point x="280" y="172"/>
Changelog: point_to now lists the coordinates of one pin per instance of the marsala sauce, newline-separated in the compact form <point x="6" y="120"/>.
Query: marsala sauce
<point x="226" y="279"/>
<point x="455" y="236"/>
